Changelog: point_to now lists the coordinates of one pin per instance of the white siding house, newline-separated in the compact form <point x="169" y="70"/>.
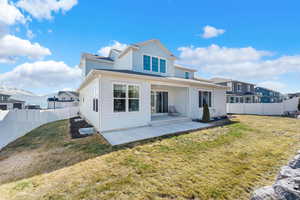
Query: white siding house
<point x="141" y="85"/>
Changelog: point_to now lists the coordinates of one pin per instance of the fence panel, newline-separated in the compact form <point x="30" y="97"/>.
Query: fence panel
<point x="16" y="123"/>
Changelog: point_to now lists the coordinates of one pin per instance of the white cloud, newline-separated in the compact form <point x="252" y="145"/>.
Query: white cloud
<point x="210" y="32"/>
<point x="30" y="34"/>
<point x="274" y="85"/>
<point x="50" y="31"/>
<point x="12" y="47"/>
<point x="42" y="9"/>
<point x="104" y="51"/>
<point x="9" y="14"/>
<point x="42" y="75"/>
<point x="239" y="63"/>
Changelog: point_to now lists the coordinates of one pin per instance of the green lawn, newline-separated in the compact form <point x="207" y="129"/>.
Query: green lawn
<point x="219" y="163"/>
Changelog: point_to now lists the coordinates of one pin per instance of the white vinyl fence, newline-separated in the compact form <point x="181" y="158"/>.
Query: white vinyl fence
<point x="16" y="123"/>
<point x="263" y="108"/>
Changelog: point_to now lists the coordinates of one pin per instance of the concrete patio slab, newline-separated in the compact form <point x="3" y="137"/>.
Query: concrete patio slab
<point x="120" y="137"/>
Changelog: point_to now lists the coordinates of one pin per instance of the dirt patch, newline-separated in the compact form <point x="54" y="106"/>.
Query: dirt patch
<point x="75" y="125"/>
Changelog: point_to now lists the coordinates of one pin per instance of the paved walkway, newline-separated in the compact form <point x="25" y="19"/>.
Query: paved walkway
<point x="142" y="133"/>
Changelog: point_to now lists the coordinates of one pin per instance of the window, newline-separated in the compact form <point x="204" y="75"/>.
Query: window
<point x="162" y="66"/>
<point x="126" y="98"/>
<point x="204" y="98"/>
<point x="236" y="100"/>
<point x="231" y="99"/>
<point x="241" y="100"/>
<point x="95" y="105"/>
<point x="146" y="62"/>
<point x="249" y="88"/>
<point x="154" y="64"/>
<point x="119" y="98"/>
<point x="239" y="87"/>
<point x="186" y="75"/>
<point x="133" y="98"/>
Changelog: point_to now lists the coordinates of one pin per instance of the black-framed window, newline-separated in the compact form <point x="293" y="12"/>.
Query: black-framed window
<point x="119" y="91"/>
<point x="95" y="105"/>
<point x="126" y="98"/>
<point x="204" y="98"/>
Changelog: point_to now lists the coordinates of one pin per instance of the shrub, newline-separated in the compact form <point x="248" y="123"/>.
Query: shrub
<point x="206" y="115"/>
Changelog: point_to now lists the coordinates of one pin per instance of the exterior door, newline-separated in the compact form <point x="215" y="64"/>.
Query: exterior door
<point x="159" y="102"/>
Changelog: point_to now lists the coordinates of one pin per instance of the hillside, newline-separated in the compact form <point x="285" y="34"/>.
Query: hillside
<point x="219" y="163"/>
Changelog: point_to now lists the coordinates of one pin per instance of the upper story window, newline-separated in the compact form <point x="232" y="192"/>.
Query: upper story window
<point x="249" y="88"/>
<point x="154" y="64"/>
<point x="186" y="75"/>
<point x="162" y="65"/>
<point x="239" y="87"/>
<point x="146" y="62"/>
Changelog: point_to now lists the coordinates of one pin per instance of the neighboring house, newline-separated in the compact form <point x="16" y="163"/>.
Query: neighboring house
<point x="7" y="103"/>
<point x="33" y="107"/>
<point x="238" y="92"/>
<point x="268" y="96"/>
<point x="292" y="95"/>
<point x="64" y="99"/>
<point x="140" y="85"/>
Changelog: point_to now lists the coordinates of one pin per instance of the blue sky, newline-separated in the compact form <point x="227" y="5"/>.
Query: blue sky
<point x="254" y="41"/>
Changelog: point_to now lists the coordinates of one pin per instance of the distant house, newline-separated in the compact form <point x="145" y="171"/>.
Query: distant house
<point x="268" y="96"/>
<point x="7" y="103"/>
<point x="292" y="95"/>
<point x="33" y="107"/>
<point x="63" y="99"/>
<point x="238" y="92"/>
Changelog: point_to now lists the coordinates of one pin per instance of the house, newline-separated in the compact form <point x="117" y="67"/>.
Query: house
<point x="292" y="95"/>
<point x="64" y="99"/>
<point x="7" y="103"/>
<point x="238" y="92"/>
<point x="268" y="96"/>
<point x="142" y="85"/>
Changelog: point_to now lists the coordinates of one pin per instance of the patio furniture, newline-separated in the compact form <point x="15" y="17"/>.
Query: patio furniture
<point x="173" y="111"/>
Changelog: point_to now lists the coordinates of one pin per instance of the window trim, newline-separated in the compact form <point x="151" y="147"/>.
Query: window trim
<point x="159" y="58"/>
<point x="126" y="97"/>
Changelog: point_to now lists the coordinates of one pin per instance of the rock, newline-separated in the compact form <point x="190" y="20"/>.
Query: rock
<point x="295" y="163"/>
<point x="264" y="193"/>
<point x="288" y="172"/>
<point x="287" y="189"/>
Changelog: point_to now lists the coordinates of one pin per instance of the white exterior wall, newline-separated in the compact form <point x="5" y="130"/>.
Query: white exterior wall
<point x="152" y="49"/>
<point x="218" y="107"/>
<point x="263" y="108"/>
<point x="181" y="73"/>
<point x="183" y="97"/>
<point x="87" y="95"/>
<point x="119" y="120"/>
<point x="125" y="62"/>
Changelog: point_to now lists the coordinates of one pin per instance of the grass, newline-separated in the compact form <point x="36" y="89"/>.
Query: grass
<point x="219" y="163"/>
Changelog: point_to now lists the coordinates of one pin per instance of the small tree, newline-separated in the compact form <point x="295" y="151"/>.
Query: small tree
<point x="299" y="105"/>
<point x="206" y="115"/>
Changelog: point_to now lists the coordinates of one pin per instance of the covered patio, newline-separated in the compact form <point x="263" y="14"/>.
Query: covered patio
<point x="120" y="137"/>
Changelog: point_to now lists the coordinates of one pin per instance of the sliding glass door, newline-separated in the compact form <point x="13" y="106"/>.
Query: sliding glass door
<point x="159" y="102"/>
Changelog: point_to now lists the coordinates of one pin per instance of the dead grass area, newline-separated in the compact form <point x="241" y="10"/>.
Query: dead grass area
<point x="46" y="149"/>
<point x="219" y="163"/>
